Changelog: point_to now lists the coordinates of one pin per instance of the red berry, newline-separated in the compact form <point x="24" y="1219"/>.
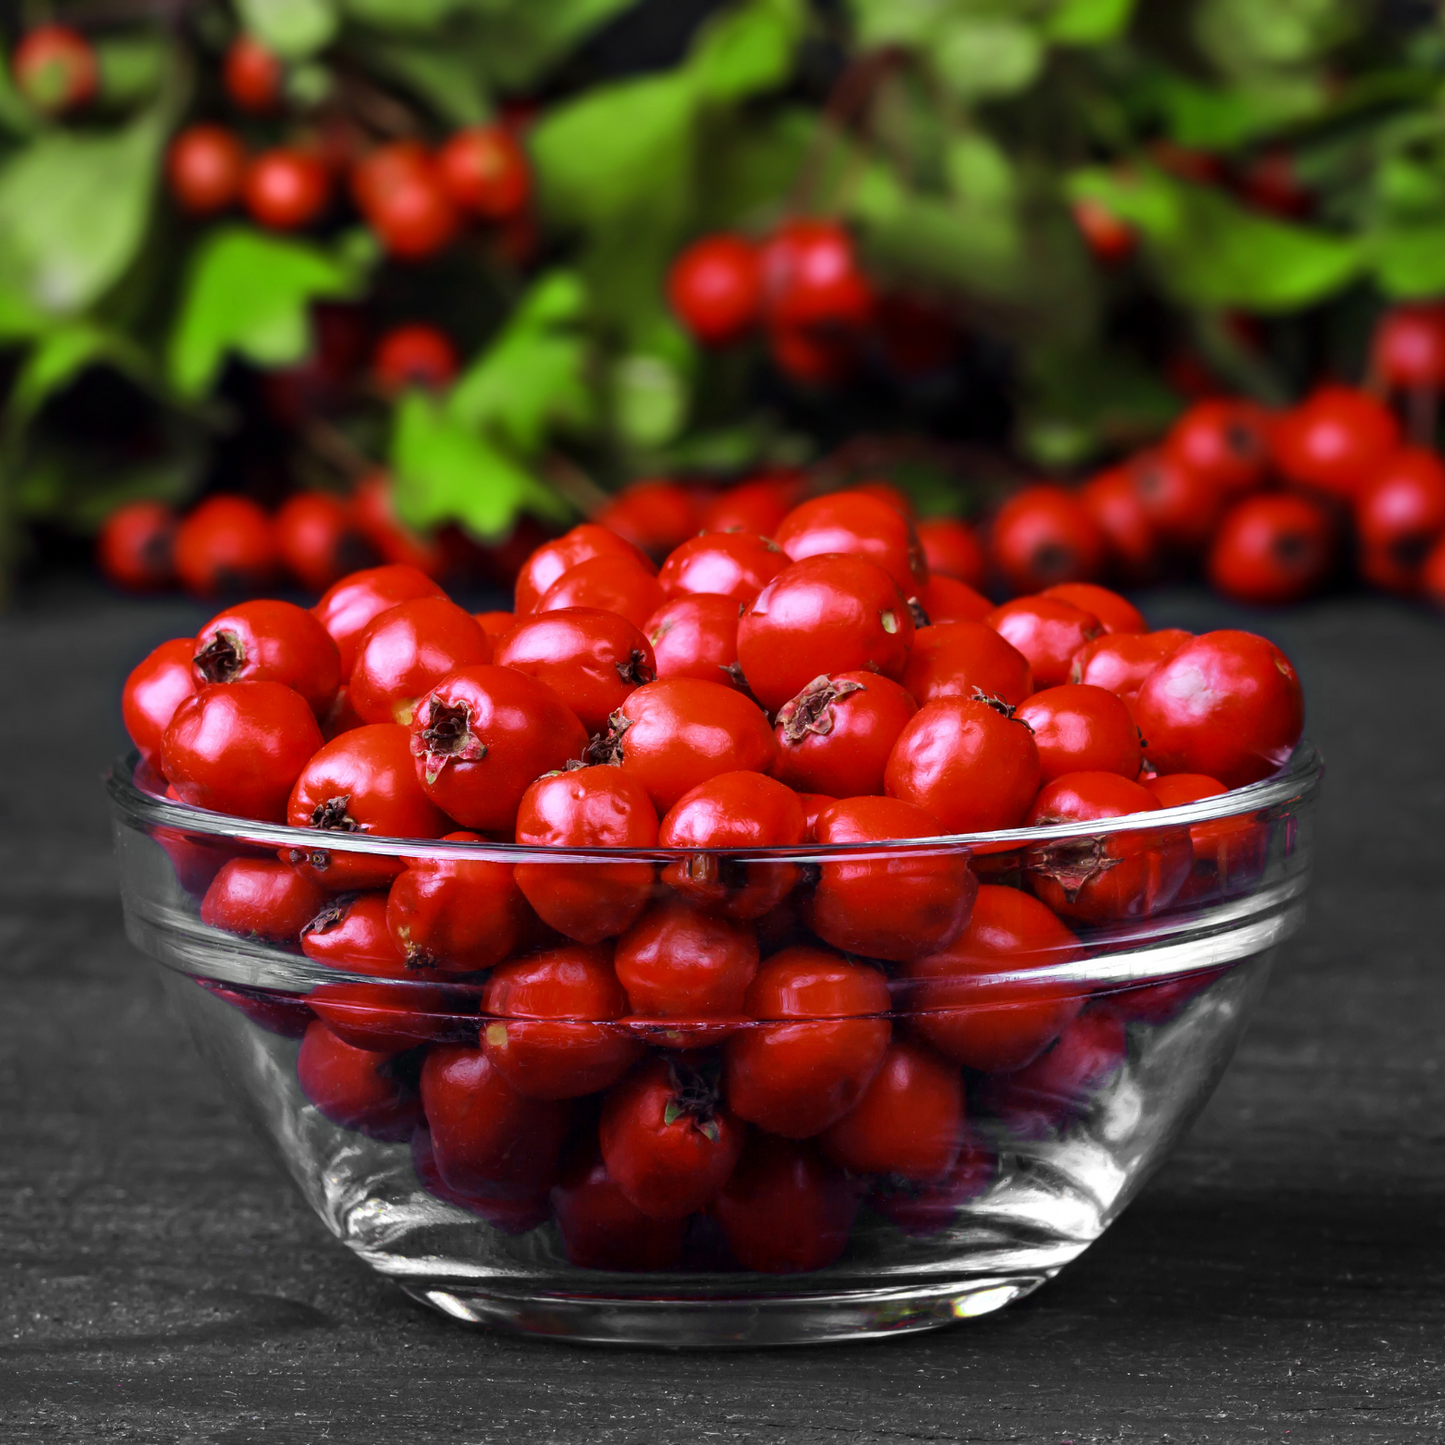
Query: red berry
<point x="350" y="604"/>
<point x="601" y="1227"/>
<point x="1044" y="535"/>
<point x="156" y="687"/>
<point x="923" y="1210"/>
<point x="56" y="69"/>
<point x="1400" y="514"/>
<point x="1047" y="631"/>
<point x="722" y="564"/>
<point x="552" y="559"/>
<point x="318" y="540"/>
<point x="1111" y="240"/>
<point x="226" y="545"/>
<point x="597" y="807"/>
<point x="414" y="355"/>
<point x="496" y="625"/>
<point x="909" y="1120"/>
<point x="1121" y="661"/>
<point x="270" y="641"/>
<point x="355" y="1088"/>
<point x="1333" y="439"/>
<point x="373" y="508"/>
<point x="964" y="659"/>
<point x="861" y="526"/>
<point x="786" y="1208"/>
<point x="511" y="1216"/>
<point x="1407" y="351"/>
<point x="1129" y="541"/>
<point x="757" y="505"/>
<point x="400" y="192"/>
<point x="286" y="189"/>
<point x="485" y="172"/>
<point x="238" y="747"/>
<point x="944" y="599"/>
<point x="715" y="289"/>
<point x="655" y="516"/>
<point x="811" y="279"/>
<point x="361" y="782"/>
<point x="1272" y="183"/>
<point x="135" y="546"/>
<point x="696" y="636"/>
<point x="897" y="906"/>
<point x="669" y="1141"/>
<point x="482" y="735"/>
<point x="1228" y="852"/>
<point x="836" y="735"/>
<point x="822" y="1033"/>
<point x="1115" y="613"/>
<point x="995" y="1026"/>
<point x="609" y="584"/>
<point x="1079" y="728"/>
<point x="206" y="166"/>
<point x="1272" y="548"/>
<point x="252" y="74"/>
<point x="825" y="614"/>
<point x="952" y="549"/>
<point x="549" y="1028"/>
<point x="261" y="898"/>
<point x="969" y="762"/>
<point x="1223" y="440"/>
<point x="406" y="650"/>
<point x="1226" y="704"/>
<point x="1183" y="506"/>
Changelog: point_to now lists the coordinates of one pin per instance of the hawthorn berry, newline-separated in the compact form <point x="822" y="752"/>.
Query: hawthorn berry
<point x="206" y="166"/>
<point x="318" y="539"/>
<point x="1273" y="548"/>
<point x="1079" y="728"/>
<point x="722" y="564"/>
<point x="286" y="189"/>
<point x="552" y="559"/>
<point x="349" y="605"/>
<point x="1048" y="631"/>
<point x="484" y="170"/>
<point x="135" y="547"/>
<point x="715" y="288"/>
<point x="696" y="635"/>
<point x="56" y="69"/>
<point x="859" y="525"/>
<point x="656" y="516"/>
<point x="1044" y="535"/>
<point x="1400" y="514"/>
<point x="405" y="651"/>
<point x="836" y="735"/>
<point x="414" y="355"/>
<point x="227" y="544"/>
<point x="355" y="1088"/>
<point x="270" y="641"/>
<point x="253" y="75"/>
<point x="952" y="549"/>
<point x="156" y="687"/>
<point x="964" y="659"/>
<point x="1333" y="439"/>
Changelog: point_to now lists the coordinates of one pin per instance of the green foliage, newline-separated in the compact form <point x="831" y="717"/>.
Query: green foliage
<point x="293" y="28"/>
<point x="248" y="294"/>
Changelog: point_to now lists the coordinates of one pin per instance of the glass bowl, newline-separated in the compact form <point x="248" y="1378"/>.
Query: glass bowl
<point x="895" y="1126"/>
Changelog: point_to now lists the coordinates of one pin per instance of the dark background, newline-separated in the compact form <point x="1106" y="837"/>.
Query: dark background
<point x="1281" y="1279"/>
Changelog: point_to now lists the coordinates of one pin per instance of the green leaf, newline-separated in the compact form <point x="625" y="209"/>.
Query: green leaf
<point x="612" y="148"/>
<point x="1087" y="22"/>
<point x="16" y="115"/>
<point x="982" y="57"/>
<point x="1225" y="118"/>
<point x="60" y="356"/>
<point x="1207" y="251"/>
<point x="292" y="28"/>
<point x="1410" y="260"/>
<point x="649" y="399"/>
<point x="73" y="212"/>
<point x="445" y="472"/>
<point x="533" y="376"/>
<point x="443" y="76"/>
<point x="132" y="68"/>
<point x="248" y="293"/>
<point x="523" y="39"/>
<point x="747" y="49"/>
<point x="415" y="15"/>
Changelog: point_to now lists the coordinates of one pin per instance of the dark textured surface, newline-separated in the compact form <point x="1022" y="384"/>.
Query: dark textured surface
<point x="1282" y="1279"/>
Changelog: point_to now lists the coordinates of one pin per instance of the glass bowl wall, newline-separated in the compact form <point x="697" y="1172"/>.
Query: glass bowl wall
<point x="1012" y="1104"/>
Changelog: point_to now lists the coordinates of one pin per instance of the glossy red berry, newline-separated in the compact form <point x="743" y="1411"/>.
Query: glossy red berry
<point x="1225" y="440"/>
<point x="1079" y="728"/>
<point x="968" y="761"/>
<point x="757" y="505"/>
<point x="608" y="584"/>
<point x="1407" y="351"/>
<point x="995" y="1025"/>
<point x="552" y="559"/>
<point x="349" y="605"/>
<point x="485" y="172"/>
<point x="253" y="75"/>
<point x="836" y="735"/>
<point x="261" y="898"/>
<point x="1229" y="853"/>
<point x="722" y="564"/>
<point x="823" y="615"/>
<point x="135" y="547"/>
<point x="1114" y="875"/>
<point x="1131" y="548"/>
<point x="964" y="659"/>
<point x="156" y="687"/>
<point x="1115" y="613"/>
<point x="1121" y="661"/>
<point x="601" y="1227"/>
<point x="400" y="192"/>
<point x="925" y="1210"/>
<point x="944" y="599"/>
<point x="909" y="1120"/>
<point x="496" y="625"/>
<point x="56" y="69"/>
<point x="715" y="288"/>
<point x="238" y="747"/>
<point x="1273" y="548"/>
<point x="811" y="279"/>
<point x="483" y="735"/>
<point x="1047" y="631"/>
<point x="1226" y="704"/>
<point x="656" y="516"/>
<point x="786" y="1208"/>
<point x="668" y="1139"/>
<point x="206" y="168"/>
<point x="374" y="508"/>
<point x="859" y="525"/>
<point x="952" y="549"/>
<point x="1333" y="439"/>
<point x="550" y="1023"/>
<point x="696" y="636"/>
<point x="596" y="807"/>
<point x="286" y="189"/>
<point x="1111" y="240"/>
<point x="897" y="906"/>
<point x="511" y="1216"/>
<point x="405" y="651"/>
<point x="227" y="544"/>
<point x="414" y="355"/>
<point x="673" y="735"/>
<point x="1044" y="535"/>
<point x="270" y="641"/>
<point x="355" y="1088"/>
<point x="1183" y="506"/>
<point x="361" y="782"/>
<point x="1400" y="514"/>
<point x="821" y="1032"/>
<point x="318" y="540"/>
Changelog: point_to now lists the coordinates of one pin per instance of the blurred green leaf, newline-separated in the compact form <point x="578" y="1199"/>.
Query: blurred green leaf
<point x="16" y="116"/>
<point x="412" y="15"/>
<point x="292" y="28"/>
<point x="249" y="294"/>
<point x="1087" y="22"/>
<point x="1208" y="251"/>
<point x="132" y="67"/>
<point x="746" y="49"/>
<point x="445" y="472"/>
<point x="1410" y="260"/>
<point x="1217" y="118"/>
<point x="523" y="39"/>
<point x="1241" y="36"/>
<point x="982" y="57"/>
<point x="534" y="374"/>
<point x="73" y="212"/>
<point x="60" y="355"/>
<point x="445" y="76"/>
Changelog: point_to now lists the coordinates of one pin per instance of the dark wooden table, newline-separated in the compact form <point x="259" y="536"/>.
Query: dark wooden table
<point x="1282" y="1279"/>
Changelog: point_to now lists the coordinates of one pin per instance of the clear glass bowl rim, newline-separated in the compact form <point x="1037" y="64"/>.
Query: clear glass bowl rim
<point x="1292" y="783"/>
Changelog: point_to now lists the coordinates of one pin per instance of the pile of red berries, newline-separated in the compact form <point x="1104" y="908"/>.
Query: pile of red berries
<point x="745" y="1033"/>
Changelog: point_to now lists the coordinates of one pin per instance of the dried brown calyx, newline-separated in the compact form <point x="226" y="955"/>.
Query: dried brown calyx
<point x="989" y="699"/>
<point x="635" y="670"/>
<point x="812" y="710"/>
<point x="331" y="915"/>
<point x="1072" y="862"/>
<point x="222" y="658"/>
<point x="920" y="617"/>
<point x="695" y="1094"/>
<point x="447" y="736"/>
<point x="333" y="817"/>
<point x="606" y="747"/>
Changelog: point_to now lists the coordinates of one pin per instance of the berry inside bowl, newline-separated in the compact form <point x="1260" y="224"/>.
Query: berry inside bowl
<point x="692" y="1096"/>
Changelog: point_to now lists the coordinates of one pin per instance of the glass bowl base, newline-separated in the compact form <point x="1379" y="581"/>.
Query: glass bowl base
<point x="719" y="1322"/>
